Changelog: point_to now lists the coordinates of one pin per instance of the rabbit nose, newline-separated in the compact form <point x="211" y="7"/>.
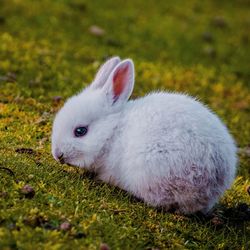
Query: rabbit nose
<point x="59" y="156"/>
<point x="61" y="159"/>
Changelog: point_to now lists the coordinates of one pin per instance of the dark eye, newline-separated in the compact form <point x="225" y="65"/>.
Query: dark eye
<point x="80" y="131"/>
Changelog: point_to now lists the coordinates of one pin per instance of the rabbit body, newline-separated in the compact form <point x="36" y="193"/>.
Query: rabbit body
<point x="170" y="150"/>
<point x="167" y="149"/>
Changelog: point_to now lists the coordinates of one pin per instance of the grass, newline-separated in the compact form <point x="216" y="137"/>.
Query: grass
<point x="47" y="51"/>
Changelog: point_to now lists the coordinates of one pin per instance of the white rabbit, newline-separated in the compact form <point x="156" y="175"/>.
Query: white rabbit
<point x="165" y="148"/>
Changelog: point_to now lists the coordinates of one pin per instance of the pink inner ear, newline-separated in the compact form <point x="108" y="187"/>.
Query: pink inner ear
<point x="119" y="81"/>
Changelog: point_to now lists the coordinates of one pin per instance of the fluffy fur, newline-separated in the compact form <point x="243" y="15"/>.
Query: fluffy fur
<point x="166" y="149"/>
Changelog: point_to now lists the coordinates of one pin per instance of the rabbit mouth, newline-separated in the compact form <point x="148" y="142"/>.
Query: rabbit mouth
<point x="64" y="160"/>
<point x="80" y="163"/>
<point x="70" y="165"/>
<point x="68" y="162"/>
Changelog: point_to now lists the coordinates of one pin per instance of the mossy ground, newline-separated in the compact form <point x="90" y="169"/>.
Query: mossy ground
<point x="46" y="50"/>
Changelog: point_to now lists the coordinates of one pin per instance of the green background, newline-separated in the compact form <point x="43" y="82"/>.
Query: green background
<point x="48" y="52"/>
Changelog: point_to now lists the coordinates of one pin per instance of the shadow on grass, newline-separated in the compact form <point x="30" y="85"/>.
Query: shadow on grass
<point x="220" y="217"/>
<point x="224" y="218"/>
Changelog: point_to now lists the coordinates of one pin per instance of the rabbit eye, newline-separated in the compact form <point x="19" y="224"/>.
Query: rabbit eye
<point x="80" y="131"/>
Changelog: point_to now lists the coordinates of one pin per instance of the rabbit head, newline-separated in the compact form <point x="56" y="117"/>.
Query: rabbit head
<point x="86" y="122"/>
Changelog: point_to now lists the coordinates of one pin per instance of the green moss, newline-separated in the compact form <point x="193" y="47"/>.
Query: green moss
<point x="46" y="50"/>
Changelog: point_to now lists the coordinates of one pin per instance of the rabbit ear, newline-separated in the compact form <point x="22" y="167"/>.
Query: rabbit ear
<point x="120" y="83"/>
<point x="104" y="72"/>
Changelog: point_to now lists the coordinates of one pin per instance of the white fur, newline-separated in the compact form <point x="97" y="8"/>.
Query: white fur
<point x="165" y="148"/>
